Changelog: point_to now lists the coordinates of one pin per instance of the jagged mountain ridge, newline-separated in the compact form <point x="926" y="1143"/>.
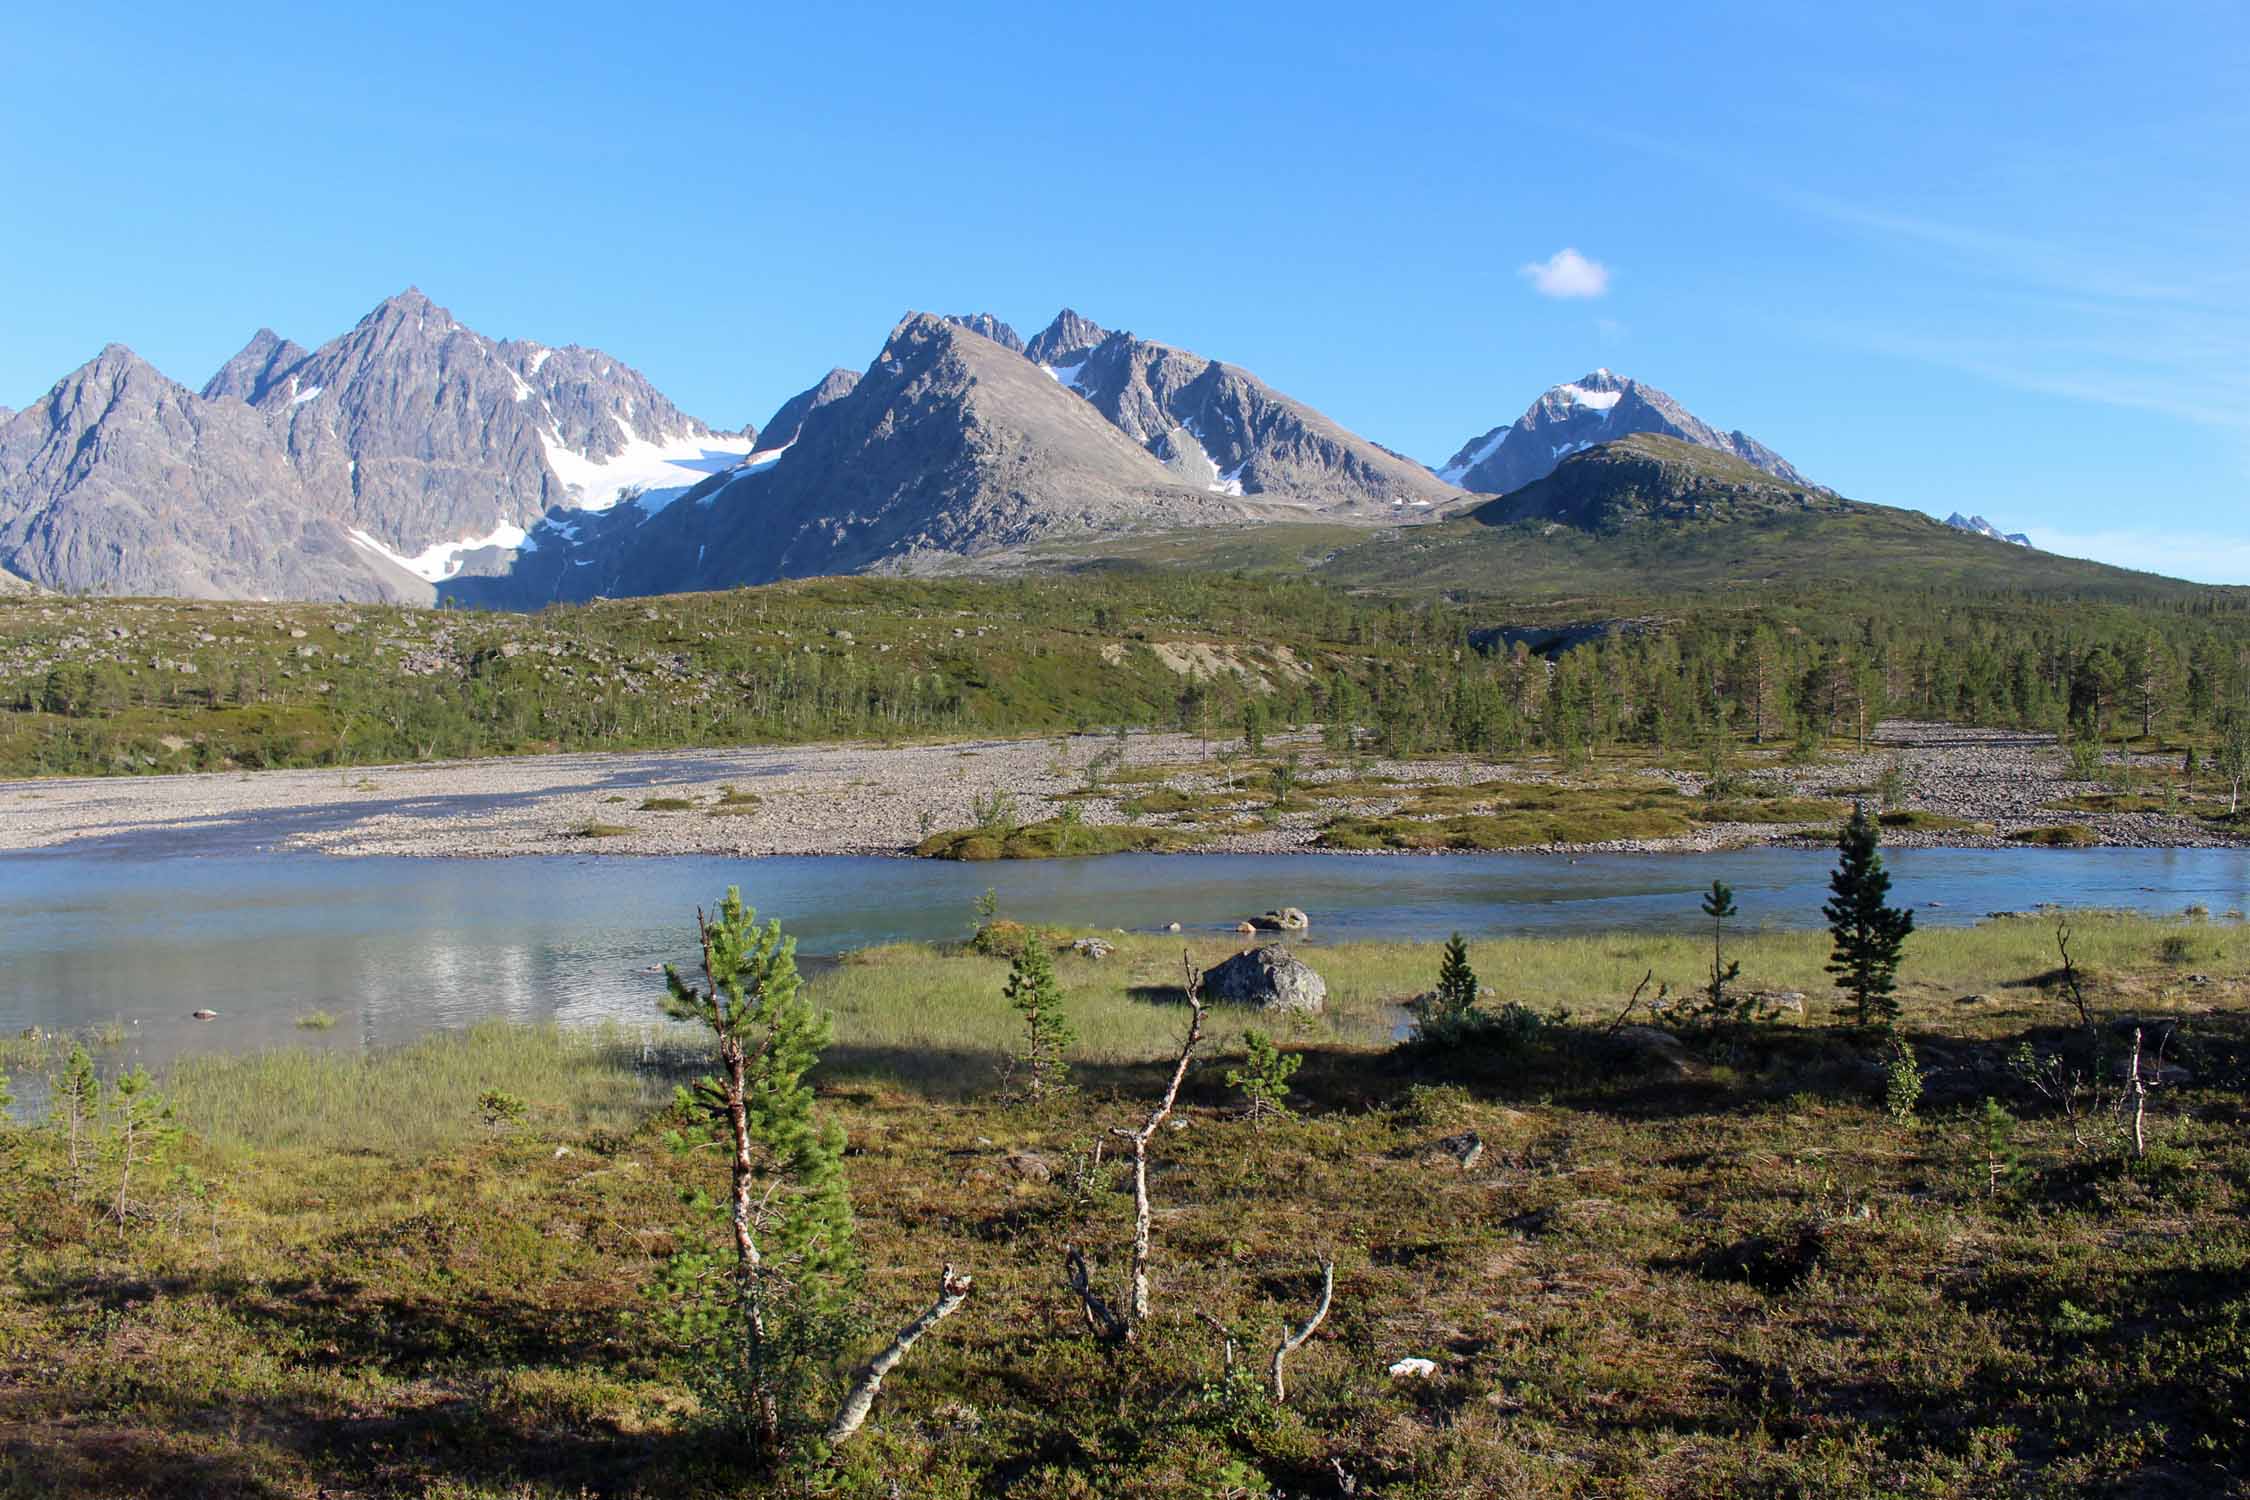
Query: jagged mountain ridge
<point x="426" y="448"/>
<point x="120" y="480"/>
<point x="1584" y="413"/>
<point x="433" y="442"/>
<point x="949" y="445"/>
<point x="1219" y="427"/>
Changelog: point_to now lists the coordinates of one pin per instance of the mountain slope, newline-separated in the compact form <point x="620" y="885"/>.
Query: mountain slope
<point x="1222" y="429"/>
<point x="121" y="481"/>
<point x="1644" y="478"/>
<point x="1582" y="414"/>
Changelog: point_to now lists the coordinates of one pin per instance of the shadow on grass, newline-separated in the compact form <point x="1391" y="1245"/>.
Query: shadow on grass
<point x="451" y="1424"/>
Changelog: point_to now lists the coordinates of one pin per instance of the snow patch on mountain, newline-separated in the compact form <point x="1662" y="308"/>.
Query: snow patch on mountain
<point x="1452" y="472"/>
<point x="437" y="563"/>
<point x="660" y="471"/>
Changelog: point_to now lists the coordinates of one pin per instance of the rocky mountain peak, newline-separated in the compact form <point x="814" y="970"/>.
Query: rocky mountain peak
<point x="1576" y="415"/>
<point x="1981" y="527"/>
<point x="1067" y="340"/>
<point x="990" y="327"/>
<point x="262" y="364"/>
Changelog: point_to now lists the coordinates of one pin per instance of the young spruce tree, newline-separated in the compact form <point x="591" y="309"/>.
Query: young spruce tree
<point x="1870" y="935"/>
<point x="1042" y="1065"/>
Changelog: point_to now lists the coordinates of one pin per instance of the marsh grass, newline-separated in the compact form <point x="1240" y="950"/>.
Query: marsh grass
<point x="423" y="1097"/>
<point x="316" y="1020"/>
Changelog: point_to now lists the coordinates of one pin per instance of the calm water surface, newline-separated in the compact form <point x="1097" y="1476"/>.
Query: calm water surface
<point x="397" y="947"/>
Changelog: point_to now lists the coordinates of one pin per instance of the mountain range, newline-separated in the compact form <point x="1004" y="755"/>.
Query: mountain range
<point x="413" y="459"/>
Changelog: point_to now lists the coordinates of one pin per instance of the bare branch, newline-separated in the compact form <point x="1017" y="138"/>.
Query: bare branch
<point x="2139" y="1092"/>
<point x="1100" y="1316"/>
<point x="1292" y="1342"/>
<point x="1634" y="1000"/>
<point x="953" y="1290"/>
<point x="1136" y="1302"/>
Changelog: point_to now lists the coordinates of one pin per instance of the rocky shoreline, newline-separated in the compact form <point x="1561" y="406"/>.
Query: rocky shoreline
<point x="878" y="800"/>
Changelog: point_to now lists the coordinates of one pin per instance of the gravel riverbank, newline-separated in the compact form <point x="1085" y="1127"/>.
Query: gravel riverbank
<point x="868" y="799"/>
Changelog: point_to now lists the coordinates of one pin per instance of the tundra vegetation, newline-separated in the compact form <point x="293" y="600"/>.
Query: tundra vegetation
<point x="1696" y="1254"/>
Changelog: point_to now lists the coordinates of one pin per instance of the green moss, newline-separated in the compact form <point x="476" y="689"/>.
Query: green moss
<point x="1910" y="820"/>
<point x="667" y="804"/>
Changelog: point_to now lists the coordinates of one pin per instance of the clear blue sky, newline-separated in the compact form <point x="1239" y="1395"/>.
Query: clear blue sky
<point x="1977" y="257"/>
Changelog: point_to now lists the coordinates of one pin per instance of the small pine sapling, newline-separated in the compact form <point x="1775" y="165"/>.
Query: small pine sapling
<point x="763" y="1323"/>
<point x="1040" y="1069"/>
<point x="1902" y="1083"/>
<point x="141" y="1133"/>
<point x="76" y="1109"/>
<point x="1869" y="934"/>
<point x="1264" y="1078"/>
<point x="1996" y="1145"/>
<point x="1718" y="905"/>
<point x="1448" y="1013"/>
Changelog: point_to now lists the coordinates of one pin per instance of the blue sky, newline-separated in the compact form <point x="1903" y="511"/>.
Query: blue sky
<point x="1993" y="258"/>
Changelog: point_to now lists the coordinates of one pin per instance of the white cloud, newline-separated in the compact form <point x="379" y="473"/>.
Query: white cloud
<point x="1566" y="273"/>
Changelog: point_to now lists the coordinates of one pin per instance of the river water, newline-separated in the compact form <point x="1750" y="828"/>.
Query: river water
<point x="398" y="947"/>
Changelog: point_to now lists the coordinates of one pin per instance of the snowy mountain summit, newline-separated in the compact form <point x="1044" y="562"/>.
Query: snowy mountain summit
<point x="1578" y="414"/>
<point x="1982" y="527"/>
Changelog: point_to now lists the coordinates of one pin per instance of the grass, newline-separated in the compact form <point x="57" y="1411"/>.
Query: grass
<point x="316" y="1020"/>
<point x="594" y="828"/>
<point x="1741" y="1278"/>
<point x="1051" y="839"/>
<point x="667" y="804"/>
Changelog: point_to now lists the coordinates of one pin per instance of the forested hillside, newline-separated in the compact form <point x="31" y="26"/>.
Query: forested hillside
<point x="136" y="686"/>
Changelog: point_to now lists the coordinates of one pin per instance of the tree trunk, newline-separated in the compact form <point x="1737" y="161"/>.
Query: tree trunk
<point x="952" y="1292"/>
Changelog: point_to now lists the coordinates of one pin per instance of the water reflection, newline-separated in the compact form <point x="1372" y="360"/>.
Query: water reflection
<point x="396" y="947"/>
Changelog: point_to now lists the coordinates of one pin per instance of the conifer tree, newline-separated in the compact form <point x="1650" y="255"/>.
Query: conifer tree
<point x="1034" y="991"/>
<point x="1457" y="982"/>
<point x="763" y="1320"/>
<point x="1870" y="935"/>
<point x="1718" y="905"/>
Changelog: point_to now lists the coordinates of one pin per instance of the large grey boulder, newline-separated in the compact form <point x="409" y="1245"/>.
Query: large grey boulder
<point x="1269" y="978"/>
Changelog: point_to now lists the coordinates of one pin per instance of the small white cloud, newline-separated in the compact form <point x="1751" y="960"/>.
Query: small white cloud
<point x="1566" y="273"/>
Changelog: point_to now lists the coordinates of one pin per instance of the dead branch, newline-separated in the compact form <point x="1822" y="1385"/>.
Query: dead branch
<point x="953" y="1290"/>
<point x="2073" y="988"/>
<point x="1632" y="1001"/>
<point x="1292" y="1342"/>
<point x="1100" y="1316"/>
<point x="2139" y="1091"/>
<point x="1226" y="1339"/>
<point x="1136" y="1301"/>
